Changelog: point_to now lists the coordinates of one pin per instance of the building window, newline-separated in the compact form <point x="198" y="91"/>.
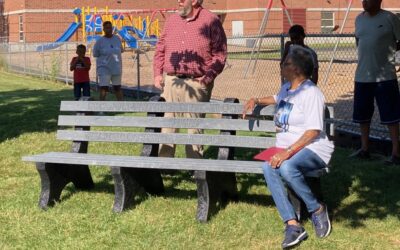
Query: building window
<point x="21" y="28"/>
<point x="327" y="21"/>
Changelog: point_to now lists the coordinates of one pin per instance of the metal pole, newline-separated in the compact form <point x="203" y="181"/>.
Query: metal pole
<point x="260" y="32"/>
<point x="24" y="57"/>
<point x="138" y="73"/>
<point x="260" y="40"/>
<point x="282" y="50"/>
<point x="259" y="46"/>
<point x="337" y="43"/>
<point x="42" y="61"/>
<point x="66" y="63"/>
<point x="9" y="55"/>
<point x="286" y="12"/>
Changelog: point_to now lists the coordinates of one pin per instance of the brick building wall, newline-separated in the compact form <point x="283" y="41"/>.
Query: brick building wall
<point x="46" y="20"/>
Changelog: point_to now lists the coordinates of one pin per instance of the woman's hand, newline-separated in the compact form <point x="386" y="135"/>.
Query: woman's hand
<point x="279" y="158"/>
<point x="249" y="106"/>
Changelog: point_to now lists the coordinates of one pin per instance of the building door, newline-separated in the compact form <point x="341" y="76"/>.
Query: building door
<point x="298" y="16"/>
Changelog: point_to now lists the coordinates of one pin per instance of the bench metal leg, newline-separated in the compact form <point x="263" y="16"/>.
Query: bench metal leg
<point x="80" y="176"/>
<point x="298" y="205"/>
<point x="125" y="188"/>
<point x="214" y="189"/>
<point x="128" y="183"/>
<point x="54" y="177"/>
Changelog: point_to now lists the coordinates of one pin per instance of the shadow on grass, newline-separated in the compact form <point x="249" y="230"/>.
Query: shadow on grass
<point x="359" y="190"/>
<point x="355" y="191"/>
<point x="27" y="110"/>
<point x="31" y="110"/>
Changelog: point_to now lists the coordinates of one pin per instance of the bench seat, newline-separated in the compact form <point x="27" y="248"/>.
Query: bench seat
<point x="232" y="166"/>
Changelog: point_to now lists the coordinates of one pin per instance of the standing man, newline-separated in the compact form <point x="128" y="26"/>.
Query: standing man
<point x="108" y="51"/>
<point x="377" y="37"/>
<point x="191" y="52"/>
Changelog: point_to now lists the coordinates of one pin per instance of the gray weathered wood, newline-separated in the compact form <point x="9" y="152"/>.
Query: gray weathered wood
<point x="148" y="162"/>
<point x="161" y="107"/>
<point x="153" y="138"/>
<point x="161" y="122"/>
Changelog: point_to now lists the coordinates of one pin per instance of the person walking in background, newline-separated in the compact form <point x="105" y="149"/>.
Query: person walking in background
<point x="297" y="36"/>
<point x="191" y="52"/>
<point x="107" y="51"/>
<point x="81" y="64"/>
<point x="377" y="38"/>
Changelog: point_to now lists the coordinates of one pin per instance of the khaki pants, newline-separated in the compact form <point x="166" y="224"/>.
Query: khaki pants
<point x="184" y="90"/>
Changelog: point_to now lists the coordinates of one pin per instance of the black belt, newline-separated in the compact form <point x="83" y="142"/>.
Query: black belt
<point x="184" y="76"/>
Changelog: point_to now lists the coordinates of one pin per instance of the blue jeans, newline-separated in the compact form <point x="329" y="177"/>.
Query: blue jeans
<point x="291" y="173"/>
<point x="84" y="86"/>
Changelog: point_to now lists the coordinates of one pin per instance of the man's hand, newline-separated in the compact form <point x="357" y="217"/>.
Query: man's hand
<point x="200" y="80"/>
<point x="159" y="82"/>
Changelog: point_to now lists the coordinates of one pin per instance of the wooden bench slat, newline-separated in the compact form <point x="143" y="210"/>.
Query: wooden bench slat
<point x="159" y="107"/>
<point x="174" y="138"/>
<point x="161" y="122"/>
<point x="234" y="166"/>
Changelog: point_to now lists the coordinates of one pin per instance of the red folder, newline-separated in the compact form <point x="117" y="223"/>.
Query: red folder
<point x="267" y="154"/>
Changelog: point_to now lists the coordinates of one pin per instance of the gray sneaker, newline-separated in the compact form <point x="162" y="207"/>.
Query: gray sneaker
<point x="293" y="236"/>
<point x="322" y="224"/>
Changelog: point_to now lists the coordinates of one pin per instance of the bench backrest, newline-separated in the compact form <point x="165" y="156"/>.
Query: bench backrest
<point x="222" y="118"/>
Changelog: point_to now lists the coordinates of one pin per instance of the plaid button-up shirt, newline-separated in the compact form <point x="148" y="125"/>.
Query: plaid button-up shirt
<point x="195" y="47"/>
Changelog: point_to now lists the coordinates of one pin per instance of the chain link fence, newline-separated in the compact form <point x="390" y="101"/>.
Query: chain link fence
<point x="248" y="72"/>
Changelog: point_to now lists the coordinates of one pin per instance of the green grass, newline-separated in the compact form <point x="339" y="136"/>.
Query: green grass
<point x="364" y="196"/>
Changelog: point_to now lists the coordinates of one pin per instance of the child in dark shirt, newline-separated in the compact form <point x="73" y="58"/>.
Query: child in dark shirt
<point x="80" y="64"/>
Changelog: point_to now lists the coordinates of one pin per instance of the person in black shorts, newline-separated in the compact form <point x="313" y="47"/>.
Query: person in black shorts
<point x="377" y="38"/>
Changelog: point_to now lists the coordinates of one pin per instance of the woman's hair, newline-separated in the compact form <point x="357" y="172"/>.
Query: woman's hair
<point x="302" y="59"/>
<point x="200" y="2"/>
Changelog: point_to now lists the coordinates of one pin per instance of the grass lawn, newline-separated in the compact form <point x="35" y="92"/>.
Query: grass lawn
<point x="363" y="197"/>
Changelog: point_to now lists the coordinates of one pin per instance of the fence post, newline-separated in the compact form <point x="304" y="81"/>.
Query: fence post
<point x="42" y="62"/>
<point x="282" y="50"/>
<point x="66" y="63"/>
<point x="25" y="57"/>
<point x="9" y="55"/>
<point x="138" y="73"/>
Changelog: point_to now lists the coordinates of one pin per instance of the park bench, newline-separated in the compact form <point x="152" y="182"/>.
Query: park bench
<point x="215" y="178"/>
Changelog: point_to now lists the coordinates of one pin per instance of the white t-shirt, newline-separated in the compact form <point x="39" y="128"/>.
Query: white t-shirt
<point x="377" y="37"/>
<point x="299" y="110"/>
<point x="108" y="54"/>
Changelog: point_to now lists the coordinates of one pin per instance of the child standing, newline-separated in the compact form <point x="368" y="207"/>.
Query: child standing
<point x="81" y="65"/>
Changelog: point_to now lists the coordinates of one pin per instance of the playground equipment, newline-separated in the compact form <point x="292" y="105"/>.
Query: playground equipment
<point x="257" y="45"/>
<point x="258" y="42"/>
<point x="350" y="3"/>
<point x="69" y="32"/>
<point x="130" y="26"/>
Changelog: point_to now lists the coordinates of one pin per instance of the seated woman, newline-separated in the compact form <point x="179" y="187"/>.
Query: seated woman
<point x="299" y="121"/>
